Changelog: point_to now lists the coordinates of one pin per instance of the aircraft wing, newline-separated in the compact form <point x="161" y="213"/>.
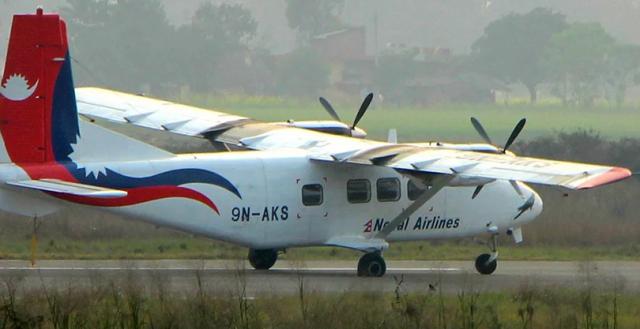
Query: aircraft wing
<point x="434" y="160"/>
<point x="408" y="158"/>
<point x="471" y="165"/>
<point x="152" y="113"/>
<point x="58" y="186"/>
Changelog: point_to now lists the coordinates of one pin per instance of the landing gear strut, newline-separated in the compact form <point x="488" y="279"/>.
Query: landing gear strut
<point x="372" y="264"/>
<point x="262" y="259"/>
<point x="487" y="263"/>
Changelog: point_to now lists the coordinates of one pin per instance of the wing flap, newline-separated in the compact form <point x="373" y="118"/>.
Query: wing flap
<point x="59" y="186"/>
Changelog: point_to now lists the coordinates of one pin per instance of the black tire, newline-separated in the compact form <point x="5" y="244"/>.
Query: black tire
<point x="372" y="264"/>
<point x="262" y="259"/>
<point x="483" y="266"/>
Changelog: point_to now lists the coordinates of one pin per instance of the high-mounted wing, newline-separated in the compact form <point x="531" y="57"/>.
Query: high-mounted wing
<point x="496" y="166"/>
<point x="434" y="160"/>
<point x="152" y="113"/>
<point x="409" y="158"/>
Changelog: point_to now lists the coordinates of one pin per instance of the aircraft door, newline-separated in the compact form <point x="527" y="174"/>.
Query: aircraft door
<point x="288" y="217"/>
<point x="313" y="206"/>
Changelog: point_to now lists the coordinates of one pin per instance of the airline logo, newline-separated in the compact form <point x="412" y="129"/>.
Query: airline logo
<point x="17" y="88"/>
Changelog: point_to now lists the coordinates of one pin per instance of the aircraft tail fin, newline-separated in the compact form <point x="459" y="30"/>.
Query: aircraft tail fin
<point x="36" y="81"/>
<point x="38" y="114"/>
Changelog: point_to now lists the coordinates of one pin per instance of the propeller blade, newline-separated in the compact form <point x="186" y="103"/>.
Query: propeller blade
<point x="477" y="191"/>
<point x="476" y="124"/>
<point x="514" y="134"/>
<point x="362" y="110"/>
<point x="327" y="106"/>
<point x="516" y="187"/>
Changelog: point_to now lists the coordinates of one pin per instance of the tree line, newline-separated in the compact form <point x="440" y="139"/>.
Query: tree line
<point x="579" y="61"/>
<point x="130" y="45"/>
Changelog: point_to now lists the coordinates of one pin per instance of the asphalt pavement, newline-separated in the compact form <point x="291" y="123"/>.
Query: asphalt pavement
<point x="234" y="277"/>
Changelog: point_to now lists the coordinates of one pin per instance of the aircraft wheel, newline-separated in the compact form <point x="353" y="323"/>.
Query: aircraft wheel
<point x="484" y="266"/>
<point x="372" y="264"/>
<point x="262" y="259"/>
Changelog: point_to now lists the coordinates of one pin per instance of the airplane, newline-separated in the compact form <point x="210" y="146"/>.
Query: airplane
<point x="279" y="185"/>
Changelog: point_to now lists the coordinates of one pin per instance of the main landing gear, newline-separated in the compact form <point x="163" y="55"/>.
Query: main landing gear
<point x="262" y="259"/>
<point x="487" y="263"/>
<point x="372" y="264"/>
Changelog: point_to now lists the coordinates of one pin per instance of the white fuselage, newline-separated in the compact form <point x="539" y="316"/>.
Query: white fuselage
<point x="271" y="214"/>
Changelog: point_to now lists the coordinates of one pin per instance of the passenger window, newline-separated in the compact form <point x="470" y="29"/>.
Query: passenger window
<point x="312" y="195"/>
<point x="358" y="190"/>
<point x="414" y="191"/>
<point x="388" y="189"/>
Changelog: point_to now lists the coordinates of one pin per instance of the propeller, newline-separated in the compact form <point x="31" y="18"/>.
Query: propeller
<point x="514" y="133"/>
<point x="363" y="109"/>
<point x="327" y="106"/>
<point x="483" y="133"/>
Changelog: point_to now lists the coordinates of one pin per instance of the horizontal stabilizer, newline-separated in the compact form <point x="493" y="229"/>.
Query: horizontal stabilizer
<point x="58" y="186"/>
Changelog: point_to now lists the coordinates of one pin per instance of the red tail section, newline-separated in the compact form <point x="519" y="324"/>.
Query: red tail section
<point x="35" y="58"/>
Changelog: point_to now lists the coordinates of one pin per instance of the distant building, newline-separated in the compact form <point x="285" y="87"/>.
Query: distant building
<point x="342" y="45"/>
<point x="439" y="79"/>
<point x="345" y="50"/>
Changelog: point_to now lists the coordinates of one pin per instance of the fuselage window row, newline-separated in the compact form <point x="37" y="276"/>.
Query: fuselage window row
<point x="359" y="191"/>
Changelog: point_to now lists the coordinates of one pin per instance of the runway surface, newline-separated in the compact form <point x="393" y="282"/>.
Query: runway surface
<point x="230" y="277"/>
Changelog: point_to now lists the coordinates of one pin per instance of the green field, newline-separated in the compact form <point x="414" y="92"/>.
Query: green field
<point x="442" y="122"/>
<point x="201" y="248"/>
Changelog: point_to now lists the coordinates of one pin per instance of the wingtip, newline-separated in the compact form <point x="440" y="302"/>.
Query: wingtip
<point x="613" y="175"/>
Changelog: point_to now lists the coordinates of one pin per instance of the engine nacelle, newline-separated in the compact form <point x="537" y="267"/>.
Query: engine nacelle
<point x="329" y="127"/>
<point x="479" y="147"/>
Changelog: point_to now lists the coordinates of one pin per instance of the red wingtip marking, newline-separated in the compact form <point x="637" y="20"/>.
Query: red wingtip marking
<point x="611" y="176"/>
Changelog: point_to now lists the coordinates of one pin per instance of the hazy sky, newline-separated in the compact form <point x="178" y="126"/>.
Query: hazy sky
<point x="451" y="24"/>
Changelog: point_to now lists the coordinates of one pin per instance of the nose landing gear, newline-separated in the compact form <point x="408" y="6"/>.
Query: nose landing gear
<point x="372" y="264"/>
<point x="487" y="263"/>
